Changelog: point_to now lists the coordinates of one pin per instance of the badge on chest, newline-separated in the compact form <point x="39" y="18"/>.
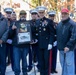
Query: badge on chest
<point x="44" y="23"/>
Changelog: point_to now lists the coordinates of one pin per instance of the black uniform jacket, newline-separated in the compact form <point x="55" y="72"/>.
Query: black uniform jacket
<point x="46" y="32"/>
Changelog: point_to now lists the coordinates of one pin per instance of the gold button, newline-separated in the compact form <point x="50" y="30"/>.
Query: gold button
<point x="40" y="24"/>
<point x="39" y="27"/>
<point x="44" y="29"/>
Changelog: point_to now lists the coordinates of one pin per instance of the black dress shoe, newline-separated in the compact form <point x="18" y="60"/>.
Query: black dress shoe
<point x="29" y="69"/>
<point x="38" y="70"/>
<point x="8" y="63"/>
<point x="17" y="74"/>
<point x="52" y="72"/>
<point x="55" y="71"/>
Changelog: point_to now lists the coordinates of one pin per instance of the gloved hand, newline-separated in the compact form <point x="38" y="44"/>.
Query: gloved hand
<point x="35" y="40"/>
<point x="49" y="46"/>
<point x="55" y="43"/>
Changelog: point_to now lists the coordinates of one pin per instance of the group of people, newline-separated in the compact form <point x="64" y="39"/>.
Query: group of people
<point x="46" y="36"/>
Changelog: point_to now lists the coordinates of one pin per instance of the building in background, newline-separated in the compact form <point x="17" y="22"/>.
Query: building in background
<point x="66" y="3"/>
<point x="17" y="5"/>
<point x="70" y="4"/>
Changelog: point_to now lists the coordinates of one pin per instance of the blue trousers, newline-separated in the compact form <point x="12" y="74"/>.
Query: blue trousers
<point x="18" y="54"/>
<point x="67" y="63"/>
<point x="54" y="58"/>
<point x="75" y="59"/>
<point x="30" y="58"/>
<point x="2" y="59"/>
<point x="44" y="61"/>
<point x="9" y="54"/>
<point x="33" y="51"/>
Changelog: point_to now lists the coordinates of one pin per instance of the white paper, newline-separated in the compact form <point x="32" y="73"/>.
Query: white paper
<point x="9" y="41"/>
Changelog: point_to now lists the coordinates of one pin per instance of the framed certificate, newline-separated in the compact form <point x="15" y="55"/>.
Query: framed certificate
<point x="24" y="32"/>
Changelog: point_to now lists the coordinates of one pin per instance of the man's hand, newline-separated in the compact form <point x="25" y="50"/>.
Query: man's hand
<point x="14" y="27"/>
<point x="66" y="49"/>
<point x="1" y="41"/>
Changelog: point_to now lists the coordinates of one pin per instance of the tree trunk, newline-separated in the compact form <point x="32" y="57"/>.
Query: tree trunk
<point x="39" y="2"/>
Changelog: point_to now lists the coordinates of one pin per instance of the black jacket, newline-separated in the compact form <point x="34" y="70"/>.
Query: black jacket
<point x="13" y="35"/>
<point x="66" y="34"/>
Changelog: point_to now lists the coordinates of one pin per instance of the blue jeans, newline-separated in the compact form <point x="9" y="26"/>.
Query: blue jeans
<point x="2" y="59"/>
<point x="20" y="53"/>
<point x="9" y="54"/>
<point x="67" y="64"/>
<point x="75" y="59"/>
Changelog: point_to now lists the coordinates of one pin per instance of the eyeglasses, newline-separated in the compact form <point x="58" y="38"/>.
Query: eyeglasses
<point x="8" y="12"/>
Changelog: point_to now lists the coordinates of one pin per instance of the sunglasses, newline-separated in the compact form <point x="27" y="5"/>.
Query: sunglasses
<point x="8" y="12"/>
<point x="52" y="15"/>
<point x="41" y="12"/>
<point x="22" y="13"/>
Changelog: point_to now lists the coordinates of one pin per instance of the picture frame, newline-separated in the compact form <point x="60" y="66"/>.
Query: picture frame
<point x="24" y="32"/>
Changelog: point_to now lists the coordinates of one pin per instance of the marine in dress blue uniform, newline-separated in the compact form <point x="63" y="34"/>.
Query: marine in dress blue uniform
<point x="51" y="15"/>
<point x="33" y="55"/>
<point x="45" y="30"/>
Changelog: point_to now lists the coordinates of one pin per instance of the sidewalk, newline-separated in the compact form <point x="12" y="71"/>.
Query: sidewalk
<point x="10" y="72"/>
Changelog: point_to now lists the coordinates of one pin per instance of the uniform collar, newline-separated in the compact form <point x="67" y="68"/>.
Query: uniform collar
<point x="42" y="19"/>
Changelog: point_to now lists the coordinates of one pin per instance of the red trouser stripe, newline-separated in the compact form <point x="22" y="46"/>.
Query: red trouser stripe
<point x="50" y="61"/>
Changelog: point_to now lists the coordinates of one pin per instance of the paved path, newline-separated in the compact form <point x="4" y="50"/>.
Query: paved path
<point x="10" y="72"/>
